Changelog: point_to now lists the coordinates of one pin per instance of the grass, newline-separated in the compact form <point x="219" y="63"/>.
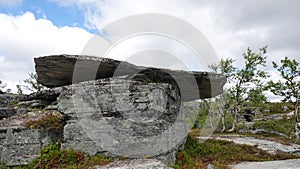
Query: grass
<point x="223" y="153"/>
<point x="220" y="153"/>
<point x="276" y="108"/>
<point x="284" y="126"/>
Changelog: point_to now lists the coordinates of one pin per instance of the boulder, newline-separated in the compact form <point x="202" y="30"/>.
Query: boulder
<point x="20" y="146"/>
<point x="61" y="70"/>
<point x="126" y="118"/>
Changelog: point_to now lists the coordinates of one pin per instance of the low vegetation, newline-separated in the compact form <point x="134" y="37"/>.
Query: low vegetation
<point x="278" y="108"/>
<point x="54" y="157"/>
<point x="50" y="122"/>
<point x="221" y="154"/>
<point x="284" y="126"/>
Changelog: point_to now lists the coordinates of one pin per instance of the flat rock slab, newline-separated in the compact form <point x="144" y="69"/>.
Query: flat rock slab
<point x="61" y="70"/>
<point x="135" y="164"/>
<point x="281" y="164"/>
<point x="269" y="146"/>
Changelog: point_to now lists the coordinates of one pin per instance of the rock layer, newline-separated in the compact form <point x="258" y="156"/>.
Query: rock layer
<point x="61" y="70"/>
<point x="20" y="146"/>
<point x="126" y="118"/>
<point x="135" y="164"/>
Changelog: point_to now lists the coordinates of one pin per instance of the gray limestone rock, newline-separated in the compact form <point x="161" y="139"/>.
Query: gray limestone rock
<point x="7" y="112"/>
<point x="2" y="139"/>
<point x="280" y="164"/>
<point x="61" y="70"/>
<point x="75" y="137"/>
<point x="135" y="164"/>
<point x="126" y="118"/>
<point x="9" y="100"/>
<point x="21" y="146"/>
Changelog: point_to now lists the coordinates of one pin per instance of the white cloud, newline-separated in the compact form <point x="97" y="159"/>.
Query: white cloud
<point x="10" y="3"/>
<point x="25" y="37"/>
<point x="251" y="23"/>
<point x="230" y="26"/>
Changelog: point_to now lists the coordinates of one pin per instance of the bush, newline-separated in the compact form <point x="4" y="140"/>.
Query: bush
<point x="53" y="157"/>
<point x="279" y="107"/>
<point x="284" y="126"/>
<point x="51" y="123"/>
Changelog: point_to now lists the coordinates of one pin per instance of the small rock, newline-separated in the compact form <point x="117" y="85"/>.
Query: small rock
<point x="27" y="103"/>
<point x="52" y="107"/>
<point x="210" y="166"/>
<point x="22" y="111"/>
<point x="135" y="164"/>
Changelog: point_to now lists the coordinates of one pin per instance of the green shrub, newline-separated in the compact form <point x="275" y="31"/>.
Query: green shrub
<point x="53" y="157"/>
<point x="201" y="117"/>
<point x="49" y="122"/>
<point x="278" y="107"/>
<point x="220" y="153"/>
<point x="3" y="166"/>
<point x="284" y="126"/>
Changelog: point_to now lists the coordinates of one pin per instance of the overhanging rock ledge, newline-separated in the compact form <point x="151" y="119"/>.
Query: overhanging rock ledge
<point x="61" y="70"/>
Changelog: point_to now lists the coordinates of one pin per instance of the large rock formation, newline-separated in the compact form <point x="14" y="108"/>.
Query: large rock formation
<point x="109" y="106"/>
<point x="123" y="109"/>
<point x="126" y="118"/>
<point x="60" y="70"/>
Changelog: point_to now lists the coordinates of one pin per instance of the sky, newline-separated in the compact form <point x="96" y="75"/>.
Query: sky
<point x="33" y="28"/>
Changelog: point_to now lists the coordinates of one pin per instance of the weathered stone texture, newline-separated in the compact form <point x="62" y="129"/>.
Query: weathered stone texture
<point x="135" y="164"/>
<point x="21" y="146"/>
<point x="7" y="112"/>
<point x="111" y="107"/>
<point x="61" y="70"/>
<point x="127" y="116"/>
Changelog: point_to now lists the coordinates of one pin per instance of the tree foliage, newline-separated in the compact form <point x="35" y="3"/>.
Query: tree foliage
<point x="248" y="85"/>
<point x="3" y="87"/>
<point x="245" y="84"/>
<point x="226" y="68"/>
<point x="289" y="87"/>
<point x="32" y="83"/>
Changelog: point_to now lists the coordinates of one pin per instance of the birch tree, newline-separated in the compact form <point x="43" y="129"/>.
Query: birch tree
<point x="289" y="86"/>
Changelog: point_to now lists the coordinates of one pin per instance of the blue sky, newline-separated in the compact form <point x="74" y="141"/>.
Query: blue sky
<point x="58" y="14"/>
<point x="33" y="28"/>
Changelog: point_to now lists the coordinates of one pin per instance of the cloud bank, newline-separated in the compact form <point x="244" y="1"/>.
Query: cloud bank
<point x="25" y="37"/>
<point x="231" y="26"/>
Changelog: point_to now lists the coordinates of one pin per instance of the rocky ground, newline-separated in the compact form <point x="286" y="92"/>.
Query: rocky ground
<point x="281" y="164"/>
<point x="135" y="164"/>
<point x="270" y="146"/>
